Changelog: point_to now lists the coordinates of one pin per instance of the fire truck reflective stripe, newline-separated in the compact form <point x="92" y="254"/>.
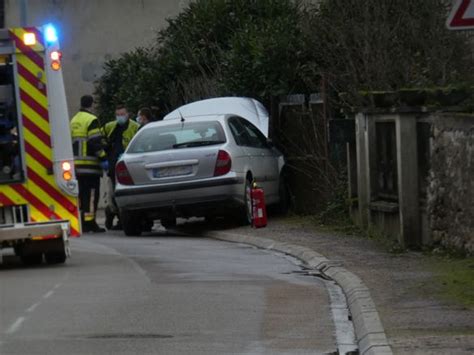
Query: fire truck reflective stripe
<point x="25" y="97"/>
<point x="33" y="201"/>
<point x="44" y="192"/>
<point x="51" y="191"/>
<point x="39" y="205"/>
<point x="31" y="67"/>
<point x="33" y="91"/>
<point x="5" y="201"/>
<point x="35" y="118"/>
<point x="36" y="131"/>
<point x="42" y="145"/>
<point x="31" y="78"/>
<point x="35" y="57"/>
<point x="36" y="155"/>
<point x="18" y="33"/>
<point x="14" y="198"/>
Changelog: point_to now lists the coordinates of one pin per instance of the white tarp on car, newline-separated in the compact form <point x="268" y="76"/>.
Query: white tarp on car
<point x="248" y="108"/>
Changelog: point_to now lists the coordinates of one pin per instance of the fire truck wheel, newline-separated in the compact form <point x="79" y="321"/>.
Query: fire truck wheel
<point x="131" y="224"/>
<point x="55" y="257"/>
<point x="32" y="259"/>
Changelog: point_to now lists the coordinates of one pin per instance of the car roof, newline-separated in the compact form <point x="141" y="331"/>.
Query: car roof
<point x="248" y="108"/>
<point x="204" y="118"/>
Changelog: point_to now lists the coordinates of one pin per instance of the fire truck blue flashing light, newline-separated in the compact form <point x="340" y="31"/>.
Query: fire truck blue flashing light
<point x="50" y="34"/>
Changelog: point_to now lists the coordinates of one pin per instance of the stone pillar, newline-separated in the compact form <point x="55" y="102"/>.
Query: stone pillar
<point x="351" y="154"/>
<point x="363" y="188"/>
<point x="371" y="159"/>
<point x="408" y="199"/>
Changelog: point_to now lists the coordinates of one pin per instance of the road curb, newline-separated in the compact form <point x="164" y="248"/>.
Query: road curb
<point x="371" y="338"/>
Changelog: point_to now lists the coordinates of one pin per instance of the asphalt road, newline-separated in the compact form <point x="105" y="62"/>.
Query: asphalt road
<point x="163" y="294"/>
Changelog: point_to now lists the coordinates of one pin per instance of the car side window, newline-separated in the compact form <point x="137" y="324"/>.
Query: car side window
<point x="256" y="138"/>
<point x="238" y="132"/>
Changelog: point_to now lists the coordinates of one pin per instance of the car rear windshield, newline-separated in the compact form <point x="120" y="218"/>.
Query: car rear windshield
<point x="178" y="136"/>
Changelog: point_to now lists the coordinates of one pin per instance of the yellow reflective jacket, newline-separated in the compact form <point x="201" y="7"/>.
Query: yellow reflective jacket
<point x="87" y="143"/>
<point x="127" y="134"/>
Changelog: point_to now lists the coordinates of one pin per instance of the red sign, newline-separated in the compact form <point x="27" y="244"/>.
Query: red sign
<point x="461" y="16"/>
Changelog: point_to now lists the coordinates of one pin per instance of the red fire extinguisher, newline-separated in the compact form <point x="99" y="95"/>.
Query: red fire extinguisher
<point x="259" y="211"/>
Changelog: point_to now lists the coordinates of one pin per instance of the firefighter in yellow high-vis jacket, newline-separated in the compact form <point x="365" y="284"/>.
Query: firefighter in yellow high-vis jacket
<point x="119" y="133"/>
<point x="90" y="160"/>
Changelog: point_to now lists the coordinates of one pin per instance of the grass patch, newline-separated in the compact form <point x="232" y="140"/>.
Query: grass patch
<point x="456" y="278"/>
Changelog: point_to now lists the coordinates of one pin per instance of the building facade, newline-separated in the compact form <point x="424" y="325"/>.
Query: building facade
<point x="92" y="32"/>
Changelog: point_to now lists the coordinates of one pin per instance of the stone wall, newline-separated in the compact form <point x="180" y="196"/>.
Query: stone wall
<point x="451" y="182"/>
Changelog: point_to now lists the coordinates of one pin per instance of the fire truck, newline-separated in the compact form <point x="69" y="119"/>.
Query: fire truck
<point x="38" y="188"/>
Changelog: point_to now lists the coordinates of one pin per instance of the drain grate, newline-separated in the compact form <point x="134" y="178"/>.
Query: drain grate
<point x="130" y="336"/>
<point x="309" y="272"/>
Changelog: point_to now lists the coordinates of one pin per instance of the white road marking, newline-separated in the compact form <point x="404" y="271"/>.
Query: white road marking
<point x="15" y="326"/>
<point x="48" y="294"/>
<point x="33" y="307"/>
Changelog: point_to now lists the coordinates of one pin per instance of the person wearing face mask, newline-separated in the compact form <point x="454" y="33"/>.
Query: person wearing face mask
<point x="119" y="133"/>
<point x="144" y="116"/>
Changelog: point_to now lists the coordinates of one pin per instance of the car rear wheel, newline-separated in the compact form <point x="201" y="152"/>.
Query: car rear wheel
<point x="168" y="222"/>
<point x="131" y="224"/>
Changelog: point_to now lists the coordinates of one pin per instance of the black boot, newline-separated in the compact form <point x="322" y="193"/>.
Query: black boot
<point x="93" y="227"/>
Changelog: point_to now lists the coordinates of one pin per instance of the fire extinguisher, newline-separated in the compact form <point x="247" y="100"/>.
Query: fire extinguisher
<point x="259" y="211"/>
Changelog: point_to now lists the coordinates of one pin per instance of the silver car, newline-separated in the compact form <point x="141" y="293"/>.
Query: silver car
<point x="196" y="164"/>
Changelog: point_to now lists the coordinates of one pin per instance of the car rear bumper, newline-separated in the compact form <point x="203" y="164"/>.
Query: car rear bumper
<point x="209" y="193"/>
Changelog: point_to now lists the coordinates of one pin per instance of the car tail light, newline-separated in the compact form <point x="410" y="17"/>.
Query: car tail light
<point x="223" y="163"/>
<point x="122" y="174"/>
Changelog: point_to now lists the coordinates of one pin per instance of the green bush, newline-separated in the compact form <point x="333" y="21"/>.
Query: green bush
<point x="267" y="48"/>
<point x="131" y="79"/>
<point x="213" y="48"/>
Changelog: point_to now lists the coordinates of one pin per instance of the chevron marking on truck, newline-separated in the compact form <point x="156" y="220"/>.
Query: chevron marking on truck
<point x="40" y="192"/>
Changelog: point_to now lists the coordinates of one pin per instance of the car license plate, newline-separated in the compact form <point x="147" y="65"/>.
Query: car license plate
<point x="169" y="171"/>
